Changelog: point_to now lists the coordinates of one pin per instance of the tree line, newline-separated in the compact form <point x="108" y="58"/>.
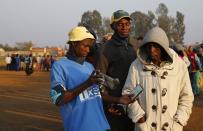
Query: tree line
<point x="141" y="23"/>
<point x="22" y="46"/>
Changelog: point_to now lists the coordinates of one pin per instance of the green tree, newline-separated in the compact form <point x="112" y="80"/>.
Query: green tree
<point x="141" y="23"/>
<point x="24" y="45"/>
<point x="152" y="19"/>
<point x="179" y="28"/>
<point x="164" y="21"/>
<point x="93" y="21"/>
<point x="6" y="47"/>
<point x="106" y="26"/>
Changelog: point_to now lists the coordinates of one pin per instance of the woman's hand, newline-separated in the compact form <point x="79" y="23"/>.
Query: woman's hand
<point x="126" y="99"/>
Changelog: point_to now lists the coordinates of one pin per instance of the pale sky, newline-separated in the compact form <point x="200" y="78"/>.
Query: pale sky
<point x="47" y="22"/>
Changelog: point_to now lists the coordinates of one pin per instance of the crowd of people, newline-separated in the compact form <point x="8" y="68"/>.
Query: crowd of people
<point x="18" y="62"/>
<point x="193" y="57"/>
<point x="165" y="75"/>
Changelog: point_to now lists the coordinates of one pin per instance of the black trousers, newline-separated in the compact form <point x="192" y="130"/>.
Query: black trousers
<point x="119" y="122"/>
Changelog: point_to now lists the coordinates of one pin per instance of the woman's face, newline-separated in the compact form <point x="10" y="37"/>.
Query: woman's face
<point x="82" y="48"/>
<point x="154" y="51"/>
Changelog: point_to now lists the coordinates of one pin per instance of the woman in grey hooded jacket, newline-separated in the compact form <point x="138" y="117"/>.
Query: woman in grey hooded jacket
<point x="167" y="98"/>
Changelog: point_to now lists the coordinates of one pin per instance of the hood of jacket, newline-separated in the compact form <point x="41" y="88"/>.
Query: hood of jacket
<point x="158" y="36"/>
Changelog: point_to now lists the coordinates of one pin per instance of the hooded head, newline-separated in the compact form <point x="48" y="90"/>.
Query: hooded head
<point x="158" y="36"/>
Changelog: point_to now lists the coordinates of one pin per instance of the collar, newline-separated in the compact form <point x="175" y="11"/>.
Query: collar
<point x="119" y="40"/>
<point x="79" y="60"/>
<point x="72" y="56"/>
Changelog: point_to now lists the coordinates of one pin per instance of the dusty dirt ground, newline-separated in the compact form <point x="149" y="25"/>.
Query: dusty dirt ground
<point x="25" y="104"/>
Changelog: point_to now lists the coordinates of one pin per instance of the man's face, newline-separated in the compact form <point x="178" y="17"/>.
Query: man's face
<point x="82" y="48"/>
<point x="154" y="51"/>
<point x="123" y="27"/>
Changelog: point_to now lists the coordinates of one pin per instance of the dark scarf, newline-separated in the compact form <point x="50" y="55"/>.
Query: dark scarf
<point x="72" y="56"/>
<point x="120" y="40"/>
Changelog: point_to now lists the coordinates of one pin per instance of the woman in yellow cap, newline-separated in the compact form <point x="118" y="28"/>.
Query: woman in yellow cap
<point x="75" y="86"/>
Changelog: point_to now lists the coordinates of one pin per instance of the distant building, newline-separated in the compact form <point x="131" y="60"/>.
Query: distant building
<point x="17" y="52"/>
<point x="38" y="51"/>
<point x="54" y="51"/>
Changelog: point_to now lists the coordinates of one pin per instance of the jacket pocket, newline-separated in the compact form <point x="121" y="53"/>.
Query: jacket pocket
<point x="172" y="124"/>
<point x="167" y="122"/>
<point x="141" y="127"/>
<point x="177" y="127"/>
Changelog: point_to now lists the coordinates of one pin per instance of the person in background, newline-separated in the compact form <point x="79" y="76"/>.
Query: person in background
<point x="28" y="64"/>
<point x="166" y="101"/>
<point x="200" y="55"/>
<point x="42" y="63"/>
<point x="17" y="62"/>
<point x="38" y="63"/>
<point x="8" y="62"/>
<point x="22" y="64"/>
<point x="194" y="70"/>
<point x="75" y="86"/>
<point x="106" y="37"/>
<point x="179" y="49"/>
<point x="47" y="62"/>
<point x="194" y="59"/>
<point x="52" y="61"/>
<point x="13" y="62"/>
<point x="114" y="60"/>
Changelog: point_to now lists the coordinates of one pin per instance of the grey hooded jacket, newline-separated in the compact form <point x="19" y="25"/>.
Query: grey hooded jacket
<point x="158" y="36"/>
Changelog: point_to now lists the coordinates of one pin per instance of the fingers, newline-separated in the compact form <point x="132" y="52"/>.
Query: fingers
<point x="97" y="71"/>
<point x="100" y="79"/>
<point x="93" y="73"/>
<point x="114" y="111"/>
<point x="97" y="77"/>
<point x="126" y="99"/>
<point x="132" y="98"/>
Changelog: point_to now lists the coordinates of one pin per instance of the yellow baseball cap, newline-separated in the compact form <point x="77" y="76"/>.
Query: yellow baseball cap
<point x="79" y="33"/>
<point x="118" y="15"/>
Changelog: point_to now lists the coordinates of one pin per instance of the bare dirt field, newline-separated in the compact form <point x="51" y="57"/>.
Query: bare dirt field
<point x="25" y="104"/>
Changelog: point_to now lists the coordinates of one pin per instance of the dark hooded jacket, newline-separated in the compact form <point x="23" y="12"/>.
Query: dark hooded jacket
<point x="115" y="59"/>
